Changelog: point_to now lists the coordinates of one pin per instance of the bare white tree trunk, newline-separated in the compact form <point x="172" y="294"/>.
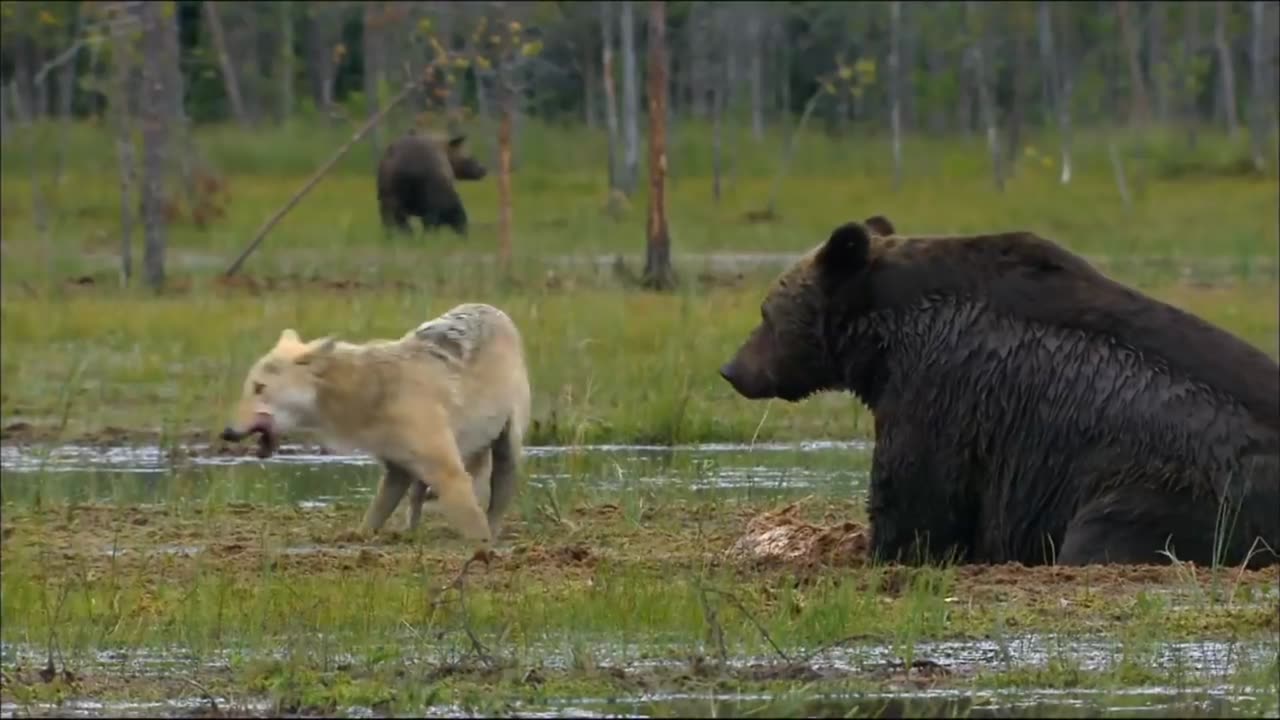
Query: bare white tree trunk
<point x="230" y="79"/>
<point x="630" y="100"/>
<point x="1190" y="49"/>
<point x="756" y="71"/>
<point x="154" y="140"/>
<point x="895" y="88"/>
<point x="287" y="71"/>
<point x="985" y="102"/>
<point x="1227" y="91"/>
<point x="1263" y="85"/>
<point x="1057" y="84"/>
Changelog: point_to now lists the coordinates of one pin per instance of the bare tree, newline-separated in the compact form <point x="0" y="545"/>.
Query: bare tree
<point x="372" y="41"/>
<point x="630" y="100"/>
<point x="895" y="88"/>
<point x="1138" y="106"/>
<point x="1261" y="104"/>
<point x="985" y="102"/>
<point x="285" y="8"/>
<point x="658" y="273"/>
<point x="229" y="78"/>
<point x="123" y="63"/>
<point x="1189" y="69"/>
<point x="610" y="94"/>
<point x="154" y="139"/>
<point x="1158" y="64"/>
<point x="755" y="43"/>
<point x="1058" y="84"/>
<point x="1227" y="90"/>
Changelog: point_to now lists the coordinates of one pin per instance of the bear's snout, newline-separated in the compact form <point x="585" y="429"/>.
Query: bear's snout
<point x="748" y="386"/>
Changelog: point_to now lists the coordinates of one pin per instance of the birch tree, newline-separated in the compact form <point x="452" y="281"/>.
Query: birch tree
<point x="986" y="105"/>
<point x="630" y="100"/>
<point x="1227" y="81"/>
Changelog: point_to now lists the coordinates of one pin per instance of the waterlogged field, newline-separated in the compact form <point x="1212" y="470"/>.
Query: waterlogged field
<point x="676" y="549"/>
<point x="644" y="581"/>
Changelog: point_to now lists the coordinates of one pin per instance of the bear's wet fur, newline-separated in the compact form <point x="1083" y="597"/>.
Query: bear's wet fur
<point x="1027" y="408"/>
<point x="416" y="178"/>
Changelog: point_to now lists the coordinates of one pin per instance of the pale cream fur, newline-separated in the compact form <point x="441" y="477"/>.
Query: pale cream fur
<point x="444" y="407"/>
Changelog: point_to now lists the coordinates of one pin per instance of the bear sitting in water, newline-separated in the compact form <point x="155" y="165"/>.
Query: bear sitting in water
<point x="1027" y="408"/>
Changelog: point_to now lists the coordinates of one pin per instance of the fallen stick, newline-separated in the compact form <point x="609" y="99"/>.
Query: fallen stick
<point x="315" y="178"/>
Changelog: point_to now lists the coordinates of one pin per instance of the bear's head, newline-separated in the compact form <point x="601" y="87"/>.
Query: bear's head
<point x="465" y="167"/>
<point x="791" y="353"/>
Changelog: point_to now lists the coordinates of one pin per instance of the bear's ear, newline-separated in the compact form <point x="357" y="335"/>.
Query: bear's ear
<point x="289" y="337"/>
<point x="316" y="350"/>
<point x="456" y="141"/>
<point x="846" y="250"/>
<point x="880" y="225"/>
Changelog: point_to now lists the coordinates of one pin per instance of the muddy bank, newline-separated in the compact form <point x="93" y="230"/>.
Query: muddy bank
<point x="242" y="539"/>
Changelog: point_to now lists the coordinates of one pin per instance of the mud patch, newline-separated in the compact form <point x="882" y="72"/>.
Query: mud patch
<point x="781" y="537"/>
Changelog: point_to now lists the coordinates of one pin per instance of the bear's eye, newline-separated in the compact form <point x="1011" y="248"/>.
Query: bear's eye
<point x="258" y="388"/>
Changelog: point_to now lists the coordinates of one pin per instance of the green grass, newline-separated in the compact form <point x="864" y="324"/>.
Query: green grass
<point x="607" y="364"/>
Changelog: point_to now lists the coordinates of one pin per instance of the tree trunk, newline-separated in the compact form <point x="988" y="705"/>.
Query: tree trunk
<point x="658" y="273"/>
<point x="229" y="78"/>
<point x="610" y="95"/>
<point x="1057" y="85"/>
<point x="287" y="71"/>
<point x="122" y="64"/>
<point x="1157" y="63"/>
<point x="1227" y="90"/>
<point x="985" y="102"/>
<point x="720" y="82"/>
<point x="506" y="114"/>
<point x="895" y="88"/>
<point x="1190" y="51"/>
<point x="1020" y="71"/>
<point x="180" y="138"/>
<point x="372" y="38"/>
<point x="1262" y="85"/>
<point x="630" y="100"/>
<point x="589" y="85"/>
<point x="1138" y="105"/>
<point x="154" y="139"/>
<point x="771" y="209"/>
<point x="66" y="94"/>
<point x="756" y="72"/>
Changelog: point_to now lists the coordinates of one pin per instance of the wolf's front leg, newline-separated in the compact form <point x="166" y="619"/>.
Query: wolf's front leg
<point x="391" y="489"/>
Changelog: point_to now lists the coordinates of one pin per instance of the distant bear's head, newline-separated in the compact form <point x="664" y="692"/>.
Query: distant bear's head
<point x="465" y="167"/>
<point x="790" y="354"/>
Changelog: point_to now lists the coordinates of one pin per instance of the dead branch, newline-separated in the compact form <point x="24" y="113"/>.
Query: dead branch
<point x="318" y="175"/>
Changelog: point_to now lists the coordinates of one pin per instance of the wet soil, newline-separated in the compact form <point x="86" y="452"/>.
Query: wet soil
<point x="787" y="544"/>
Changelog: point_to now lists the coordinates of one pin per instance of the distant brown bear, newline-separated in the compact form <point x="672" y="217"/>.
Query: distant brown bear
<point x="416" y="179"/>
<point x="1027" y="408"/>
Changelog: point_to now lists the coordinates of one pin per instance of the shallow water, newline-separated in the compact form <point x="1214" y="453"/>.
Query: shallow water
<point x="146" y="474"/>
<point x="1208" y="663"/>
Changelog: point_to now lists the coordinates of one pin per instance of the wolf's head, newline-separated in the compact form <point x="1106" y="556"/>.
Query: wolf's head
<point x="279" y="392"/>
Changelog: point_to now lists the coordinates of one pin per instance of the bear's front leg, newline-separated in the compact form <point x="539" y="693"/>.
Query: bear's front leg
<point x="916" y="506"/>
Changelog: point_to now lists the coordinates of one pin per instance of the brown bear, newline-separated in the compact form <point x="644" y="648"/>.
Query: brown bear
<point x="1027" y="408"/>
<point x="416" y="179"/>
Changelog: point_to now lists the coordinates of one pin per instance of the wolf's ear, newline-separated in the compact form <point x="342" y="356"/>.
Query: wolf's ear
<point x="288" y="337"/>
<point x="317" y="351"/>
